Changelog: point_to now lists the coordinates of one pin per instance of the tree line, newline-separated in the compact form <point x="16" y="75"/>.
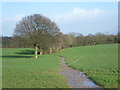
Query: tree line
<point x="44" y="35"/>
<point x="62" y="40"/>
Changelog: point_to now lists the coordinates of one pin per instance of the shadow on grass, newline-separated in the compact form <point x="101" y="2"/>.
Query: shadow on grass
<point x="15" y="56"/>
<point x="20" y="54"/>
<point x="25" y="52"/>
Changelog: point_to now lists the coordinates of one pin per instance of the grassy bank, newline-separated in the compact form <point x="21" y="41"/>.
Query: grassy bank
<point x="21" y="70"/>
<point x="99" y="62"/>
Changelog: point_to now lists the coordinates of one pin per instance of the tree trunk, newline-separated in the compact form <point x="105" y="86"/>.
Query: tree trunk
<point x="36" y="52"/>
<point x="50" y="50"/>
<point x="41" y="52"/>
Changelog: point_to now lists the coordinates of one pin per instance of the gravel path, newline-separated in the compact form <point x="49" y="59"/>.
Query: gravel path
<point x="76" y="78"/>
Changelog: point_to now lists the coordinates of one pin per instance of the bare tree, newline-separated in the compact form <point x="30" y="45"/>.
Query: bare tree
<point x="38" y="28"/>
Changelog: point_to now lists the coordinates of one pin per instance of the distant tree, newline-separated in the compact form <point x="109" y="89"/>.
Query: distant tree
<point x="100" y="38"/>
<point x="21" y="42"/>
<point x="68" y="40"/>
<point x="72" y="37"/>
<point x="0" y="42"/>
<point x="111" y="39"/>
<point x="90" y="39"/>
<point x="118" y="36"/>
<point x="80" y="40"/>
<point x="38" y="28"/>
<point x="6" y="42"/>
<point x="58" y="42"/>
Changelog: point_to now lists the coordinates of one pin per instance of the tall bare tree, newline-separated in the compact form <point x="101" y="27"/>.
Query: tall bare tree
<point x="38" y="28"/>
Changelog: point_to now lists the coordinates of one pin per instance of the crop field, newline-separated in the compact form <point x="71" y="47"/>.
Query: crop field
<point x="100" y="62"/>
<point x="21" y="70"/>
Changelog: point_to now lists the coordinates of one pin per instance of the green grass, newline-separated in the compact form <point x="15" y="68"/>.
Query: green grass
<point x="21" y="70"/>
<point x="99" y="62"/>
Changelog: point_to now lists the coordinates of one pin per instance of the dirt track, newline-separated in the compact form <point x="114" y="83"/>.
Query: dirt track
<point x="76" y="78"/>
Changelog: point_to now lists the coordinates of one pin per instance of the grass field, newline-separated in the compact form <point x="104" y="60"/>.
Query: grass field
<point x="99" y="62"/>
<point x="21" y="70"/>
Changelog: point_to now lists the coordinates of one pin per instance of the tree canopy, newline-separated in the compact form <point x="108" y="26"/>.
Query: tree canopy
<point x="36" y="26"/>
<point x="39" y="29"/>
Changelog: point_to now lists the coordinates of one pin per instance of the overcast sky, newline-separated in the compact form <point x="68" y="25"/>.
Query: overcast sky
<point x="83" y="17"/>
